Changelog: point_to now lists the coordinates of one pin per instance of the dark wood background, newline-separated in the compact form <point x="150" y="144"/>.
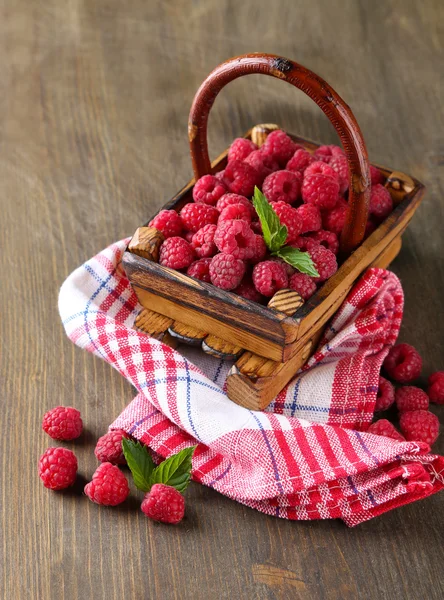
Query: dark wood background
<point x="94" y="99"/>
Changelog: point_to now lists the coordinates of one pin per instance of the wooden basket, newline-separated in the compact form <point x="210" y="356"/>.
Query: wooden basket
<point x="268" y="343"/>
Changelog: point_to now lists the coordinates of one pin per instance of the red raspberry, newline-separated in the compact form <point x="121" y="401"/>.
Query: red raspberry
<point x="220" y="175"/>
<point x="226" y="271"/>
<point x="280" y="146"/>
<point x="176" y="253"/>
<point x="247" y="290"/>
<point x="108" y="486"/>
<point x="288" y="268"/>
<point x="240" y="178"/>
<point x="375" y="175"/>
<point x="334" y="219"/>
<point x="403" y="363"/>
<point x="385" y="428"/>
<point x="200" y="269"/>
<point x="208" y="189"/>
<point x="326" y="153"/>
<point x="339" y="164"/>
<point x="325" y="238"/>
<point x="269" y="277"/>
<point x="282" y="186"/>
<point x="381" y="203"/>
<point x="240" y="149"/>
<point x="385" y="396"/>
<point x="168" y="222"/>
<point x="419" y="426"/>
<point x="195" y="216"/>
<point x="230" y="199"/>
<point x="62" y="423"/>
<point x="324" y="261"/>
<point x="321" y="168"/>
<point x="109" y="447"/>
<point x="203" y="241"/>
<point x="164" y="503"/>
<point x="259" y="249"/>
<point x="57" y="468"/>
<point x="189" y="236"/>
<point x="304" y="242"/>
<point x="410" y="397"/>
<point x="236" y="238"/>
<point x="300" y="160"/>
<point x="257" y="227"/>
<point x="235" y="211"/>
<point x="320" y="190"/>
<point x="303" y="284"/>
<point x="263" y="163"/>
<point x="310" y="216"/>
<point x="436" y="387"/>
<point x="289" y="217"/>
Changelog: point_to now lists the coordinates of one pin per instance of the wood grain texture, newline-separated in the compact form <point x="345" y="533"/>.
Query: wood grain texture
<point x="94" y="101"/>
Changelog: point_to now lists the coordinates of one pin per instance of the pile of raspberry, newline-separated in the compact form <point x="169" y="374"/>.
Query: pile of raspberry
<point x="403" y="365"/>
<point x="218" y="238"/>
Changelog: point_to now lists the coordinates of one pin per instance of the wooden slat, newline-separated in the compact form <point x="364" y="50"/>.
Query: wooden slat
<point x="220" y="348"/>
<point x="286" y="301"/>
<point x="151" y="322"/>
<point x="186" y="333"/>
<point x="146" y="242"/>
<point x="260" y="132"/>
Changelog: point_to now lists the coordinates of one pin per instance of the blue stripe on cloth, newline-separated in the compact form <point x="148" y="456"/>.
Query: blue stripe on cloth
<point x="188" y="380"/>
<point x="172" y="378"/>
<point x="145" y="418"/>
<point x="352" y="485"/>
<point x="221" y="476"/>
<point x="219" y="368"/>
<point x="270" y="450"/>
<point x="372" y="500"/>
<point x="366" y="450"/>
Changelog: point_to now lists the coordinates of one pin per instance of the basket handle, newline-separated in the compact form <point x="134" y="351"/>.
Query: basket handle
<point x="325" y="97"/>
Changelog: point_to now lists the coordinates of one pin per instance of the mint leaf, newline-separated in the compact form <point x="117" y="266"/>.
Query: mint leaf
<point x="140" y="463"/>
<point x="274" y="233"/>
<point x="175" y="470"/>
<point x="299" y="260"/>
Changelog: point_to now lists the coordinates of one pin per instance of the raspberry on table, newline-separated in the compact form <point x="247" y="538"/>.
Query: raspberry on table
<point x="168" y="222"/>
<point x="410" y="397"/>
<point x="328" y="239"/>
<point x="339" y="164"/>
<point x="386" y="429"/>
<point x="203" y="241"/>
<point x="324" y="261"/>
<point x="108" y="487"/>
<point x="247" y="290"/>
<point x="236" y="238"/>
<point x="282" y="186"/>
<point x="375" y="175"/>
<point x="109" y="447"/>
<point x="235" y="211"/>
<point x="269" y="277"/>
<point x="419" y="426"/>
<point x="289" y="217"/>
<point x="310" y="216"/>
<point x="303" y="284"/>
<point x="164" y="503"/>
<point x="208" y="189"/>
<point x="176" y="253"/>
<point x="263" y="163"/>
<point x="334" y="219"/>
<point x="195" y="215"/>
<point x="300" y="160"/>
<point x="230" y="199"/>
<point x="259" y="249"/>
<point x="226" y="271"/>
<point x="403" y="363"/>
<point x="200" y="269"/>
<point x="320" y="190"/>
<point x="240" y="149"/>
<point x="58" y="468"/>
<point x="436" y="387"/>
<point x="381" y="203"/>
<point x="385" y="396"/>
<point x="280" y="146"/>
<point x="240" y="178"/>
<point x="62" y="423"/>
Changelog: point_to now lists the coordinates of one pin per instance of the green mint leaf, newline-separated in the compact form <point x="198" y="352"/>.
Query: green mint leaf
<point x="274" y="233"/>
<point x="299" y="260"/>
<point x="140" y="463"/>
<point x="175" y="470"/>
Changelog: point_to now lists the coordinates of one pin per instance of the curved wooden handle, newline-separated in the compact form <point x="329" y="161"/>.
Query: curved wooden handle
<point x="325" y="97"/>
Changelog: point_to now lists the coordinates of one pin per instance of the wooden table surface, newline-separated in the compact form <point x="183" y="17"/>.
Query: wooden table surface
<point x="94" y="99"/>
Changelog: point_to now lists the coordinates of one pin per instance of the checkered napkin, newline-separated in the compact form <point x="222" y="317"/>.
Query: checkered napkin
<point x="306" y="456"/>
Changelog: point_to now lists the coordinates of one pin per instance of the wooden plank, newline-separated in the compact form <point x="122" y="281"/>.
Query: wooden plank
<point x="146" y="243"/>
<point x="220" y="348"/>
<point x="187" y="334"/>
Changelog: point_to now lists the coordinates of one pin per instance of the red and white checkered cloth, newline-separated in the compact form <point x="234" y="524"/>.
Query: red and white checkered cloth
<point x="306" y="456"/>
